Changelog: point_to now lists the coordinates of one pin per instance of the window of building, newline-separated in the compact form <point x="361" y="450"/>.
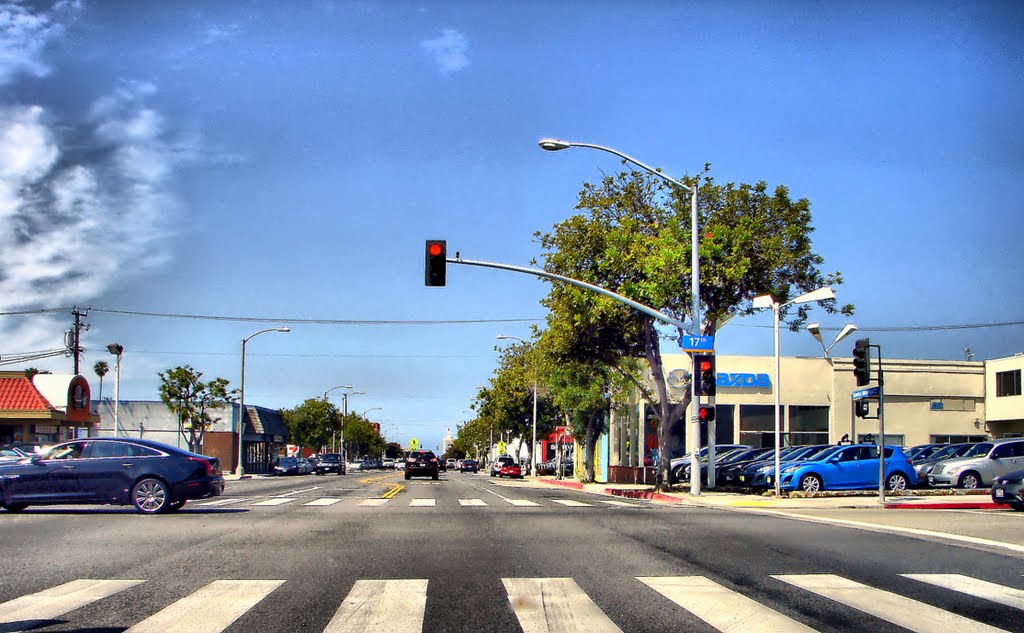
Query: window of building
<point x="1008" y="383"/>
<point x="954" y="404"/>
<point x="757" y="424"/>
<point x="808" y="425"/>
<point x="958" y="439"/>
<point x="890" y="440"/>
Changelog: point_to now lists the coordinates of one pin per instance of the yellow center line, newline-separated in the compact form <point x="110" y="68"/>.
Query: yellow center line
<point x="395" y="489"/>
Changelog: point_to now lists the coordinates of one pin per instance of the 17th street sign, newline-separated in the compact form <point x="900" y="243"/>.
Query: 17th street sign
<point x="697" y="343"/>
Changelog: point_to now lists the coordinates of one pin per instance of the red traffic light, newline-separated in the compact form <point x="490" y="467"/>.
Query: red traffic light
<point x="435" y="249"/>
<point x="705" y="365"/>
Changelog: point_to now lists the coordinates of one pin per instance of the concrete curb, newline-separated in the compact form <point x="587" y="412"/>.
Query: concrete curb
<point x="945" y="505"/>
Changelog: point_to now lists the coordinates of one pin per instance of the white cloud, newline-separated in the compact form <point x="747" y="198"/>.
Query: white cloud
<point x="449" y="51"/>
<point x="24" y="34"/>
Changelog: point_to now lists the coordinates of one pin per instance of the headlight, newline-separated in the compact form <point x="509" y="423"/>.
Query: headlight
<point x="790" y="469"/>
<point x="952" y="470"/>
<point x="764" y="469"/>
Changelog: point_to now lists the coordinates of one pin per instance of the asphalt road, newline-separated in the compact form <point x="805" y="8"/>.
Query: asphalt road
<point x="471" y="553"/>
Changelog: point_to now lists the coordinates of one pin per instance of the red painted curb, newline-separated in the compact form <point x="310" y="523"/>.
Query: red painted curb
<point x="641" y="494"/>
<point x="950" y="505"/>
<point x="578" y="485"/>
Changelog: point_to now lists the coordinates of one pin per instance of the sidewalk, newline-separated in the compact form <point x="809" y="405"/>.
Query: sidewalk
<point x="976" y="501"/>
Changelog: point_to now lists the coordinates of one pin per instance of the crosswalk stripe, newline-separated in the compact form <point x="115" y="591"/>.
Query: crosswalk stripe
<point x="722" y="608"/>
<point x="223" y="502"/>
<point x="905" y="612"/>
<point x="620" y="504"/>
<point x="275" y="501"/>
<point x="323" y="501"/>
<point x="544" y="605"/>
<point x="378" y="605"/>
<point x="56" y="601"/>
<point x="373" y="502"/>
<point x="973" y="587"/>
<point x="423" y="503"/>
<point x="471" y="502"/>
<point x="522" y="503"/>
<point x="210" y="609"/>
<point x="572" y="504"/>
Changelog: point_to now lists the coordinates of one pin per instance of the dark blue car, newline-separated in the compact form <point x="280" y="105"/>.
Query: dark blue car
<point x="851" y="467"/>
<point x="152" y="476"/>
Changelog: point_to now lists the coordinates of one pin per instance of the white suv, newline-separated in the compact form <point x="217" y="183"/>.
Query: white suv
<point x="503" y="460"/>
<point x="980" y="466"/>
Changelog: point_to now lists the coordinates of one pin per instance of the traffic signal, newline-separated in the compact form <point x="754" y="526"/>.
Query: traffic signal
<point x="862" y="361"/>
<point x="704" y="371"/>
<point x="860" y="408"/>
<point x="706" y="413"/>
<point x="434" y="267"/>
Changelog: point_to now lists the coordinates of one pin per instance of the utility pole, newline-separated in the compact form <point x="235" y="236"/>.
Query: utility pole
<point x="76" y="347"/>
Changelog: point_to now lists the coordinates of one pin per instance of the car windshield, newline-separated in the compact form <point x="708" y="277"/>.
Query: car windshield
<point x="288" y="461"/>
<point x="949" y="451"/>
<point x="978" y="450"/>
<point x="821" y="454"/>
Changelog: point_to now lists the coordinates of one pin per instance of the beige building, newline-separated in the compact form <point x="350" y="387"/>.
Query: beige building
<point x="925" y="401"/>
<point x="1004" y="403"/>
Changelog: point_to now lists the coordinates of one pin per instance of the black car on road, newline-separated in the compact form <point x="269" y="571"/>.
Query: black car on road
<point x="469" y="465"/>
<point x="422" y="464"/>
<point x="330" y="463"/>
<point x="152" y="476"/>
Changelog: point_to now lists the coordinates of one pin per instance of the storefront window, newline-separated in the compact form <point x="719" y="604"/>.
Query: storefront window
<point x="757" y="424"/>
<point x="808" y="425"/>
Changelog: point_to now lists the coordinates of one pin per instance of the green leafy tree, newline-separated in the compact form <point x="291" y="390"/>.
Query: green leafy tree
<point x="191" y="399"/>
<point x="313" y="424"/>
<point x="632" y="236"/>
<point x="361" y="439"/>
<point x="510" y="397"/>
<point x="101" y="368"/>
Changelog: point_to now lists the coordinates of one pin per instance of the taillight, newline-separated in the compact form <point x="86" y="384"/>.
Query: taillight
<point x="206" y="464"/>
<point x="433" y="460"/>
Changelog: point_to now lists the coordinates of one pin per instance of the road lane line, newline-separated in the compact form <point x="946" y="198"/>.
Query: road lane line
<point x="223" y="502"/>
<point x="423" y="503"/>
<point x="323" y="501"/>
<point x="472" y="502"/>
<point x="572" y="504"/>
<point x="298" y="492"/>
<point x="620" y="504"/>
<point x="974" y="587"/>
<point x="521" y="503"/>
<point x="210" y="609"/>
<point x="54" y="602"/>
<point x="381" y="605"/>
<point x="901" y="611"/>
<point x="276" y="501"/>
<point x="373" y="502"/>
<point x="722" y="608"/>
<point x="545" y="605"/>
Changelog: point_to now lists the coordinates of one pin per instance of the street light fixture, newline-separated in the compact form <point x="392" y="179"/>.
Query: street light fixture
<point x="693" y="431"/>
<point x="344" y="414"/>
<point x="533" y="447"/>
<point x="815" y="330"/>
<point x="241" y="394"/>
<point x="116" y="349"/>
<point x="334" y="434"/>
<point x="766" y="301"/>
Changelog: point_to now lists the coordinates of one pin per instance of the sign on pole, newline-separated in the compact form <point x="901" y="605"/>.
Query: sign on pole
<point x="866" y="392"/>
<point x="414" y="443"/>
<point x="697" y="343"/>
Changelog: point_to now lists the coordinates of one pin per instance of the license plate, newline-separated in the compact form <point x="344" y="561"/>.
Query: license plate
<point x="1000" y="493"/>
<point x="769" y="480"/>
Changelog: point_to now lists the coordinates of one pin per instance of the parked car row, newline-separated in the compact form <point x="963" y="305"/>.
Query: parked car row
<point x="856" y="466"/>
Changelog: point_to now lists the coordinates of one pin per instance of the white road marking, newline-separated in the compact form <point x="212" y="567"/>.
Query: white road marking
<point x="423" y="503"/>
<point x="571" y="503"/>
<point x="905" y="612"/>
<point x="546" y="605"/>
<point x="522" y="503"/>
<point x="223" y="502"/>
<point x="298" y="492"/>
<point x="379" y="605"/>
<point x="472" y="502"/>
<point x="276" y="501"/>
<point x="56" y="601"/>
<point x="209" y="610"/>
<point x="620" y="504"/>
<point x="722" y="608"/>
<point x="373" y="502"/>
<point x="323" y="501"/>
<point x="973" y="587"/>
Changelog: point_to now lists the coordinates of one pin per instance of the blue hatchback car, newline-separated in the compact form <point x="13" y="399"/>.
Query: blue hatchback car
<point x="851" y="467"/>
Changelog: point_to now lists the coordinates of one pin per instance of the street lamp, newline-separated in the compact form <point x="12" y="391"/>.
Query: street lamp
<point x="693" y="434"/>
<point x="533" y="447"/>
<point x="815" y="330"/>
<point x="766" y="301"/>
<point x="344" y="414"/>
<point x="116" y="349"/>
<point x="241" y="394"/>
<point x="334" y="435"/>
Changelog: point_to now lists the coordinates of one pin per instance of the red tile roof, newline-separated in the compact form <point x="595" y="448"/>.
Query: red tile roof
<point x="19" y="394"/>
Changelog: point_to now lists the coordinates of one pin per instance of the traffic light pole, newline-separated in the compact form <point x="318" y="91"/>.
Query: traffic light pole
<point x="881" y="428"/>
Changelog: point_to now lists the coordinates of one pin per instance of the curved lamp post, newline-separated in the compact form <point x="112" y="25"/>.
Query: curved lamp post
<point x="815" y="330"/>
<point x="334" y="436"/>
<point x="116" y="349"/>
<point x="533" y="447"/>
<point x="693" y="436"/>
<point x="766" y="301"/>
<point x="344" y="414"/>
<point x="241" y="395"/>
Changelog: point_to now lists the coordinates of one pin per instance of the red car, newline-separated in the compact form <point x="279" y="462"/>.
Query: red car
<point x="511" y="470"/>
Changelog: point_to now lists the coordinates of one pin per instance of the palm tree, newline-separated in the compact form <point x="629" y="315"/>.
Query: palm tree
<point x="101" y="368"/>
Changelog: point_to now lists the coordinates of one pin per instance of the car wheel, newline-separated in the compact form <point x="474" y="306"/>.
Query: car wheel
<point x="897" y="481"/>
<point x="15" y="507"/>
<point x="174" y="506"/>
<point x="150" y="496"/>
<point x="811" y="483"/>
<point x="969" y="480"/>
<point x="1019" y="507"/>
<point x="408" y="476"/>
<point x="434" y="476"/>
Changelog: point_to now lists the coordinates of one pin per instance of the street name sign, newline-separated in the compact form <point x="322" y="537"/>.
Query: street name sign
<point x="866" y="392"/>
<point x="697" y="343"/>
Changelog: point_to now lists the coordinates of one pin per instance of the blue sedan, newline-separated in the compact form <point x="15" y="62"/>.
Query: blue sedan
<point x="853" y="467"/>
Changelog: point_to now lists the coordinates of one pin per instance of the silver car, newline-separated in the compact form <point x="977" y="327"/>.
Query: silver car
<point x="980" y="466"/>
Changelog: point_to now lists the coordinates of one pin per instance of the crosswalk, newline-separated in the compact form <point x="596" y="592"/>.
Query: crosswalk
<point x="539" y="604"/>
<point x="412" y="502"/>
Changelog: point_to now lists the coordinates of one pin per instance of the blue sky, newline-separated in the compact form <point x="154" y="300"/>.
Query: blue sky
<point x="287" y="160"/>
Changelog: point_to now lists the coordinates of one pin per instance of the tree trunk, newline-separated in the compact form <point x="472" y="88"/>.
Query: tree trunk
<point x="590" y="438"/>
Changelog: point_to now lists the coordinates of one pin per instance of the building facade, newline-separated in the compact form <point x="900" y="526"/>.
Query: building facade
<point x="44" y="408"/>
